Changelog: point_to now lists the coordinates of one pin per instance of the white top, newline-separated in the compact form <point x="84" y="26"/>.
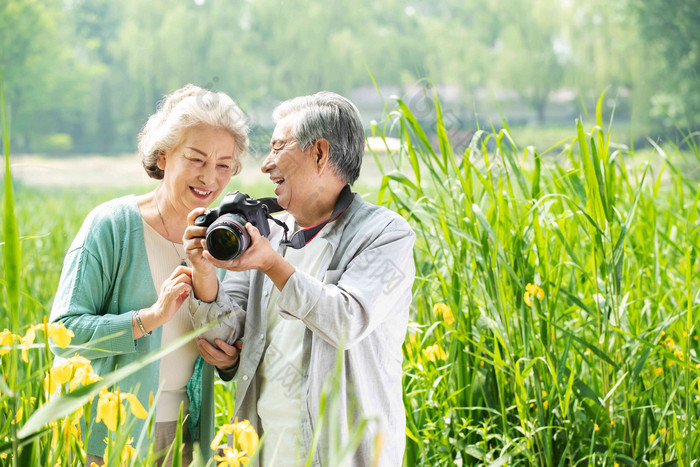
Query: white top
<point x="175" y="368"/>
<point x="279" y="405"/>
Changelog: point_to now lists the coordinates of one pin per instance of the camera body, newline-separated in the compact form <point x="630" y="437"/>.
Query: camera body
<point x="226" y="236"/>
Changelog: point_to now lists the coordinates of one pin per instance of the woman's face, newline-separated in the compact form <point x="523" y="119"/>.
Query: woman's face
<point x="198" y="168"/>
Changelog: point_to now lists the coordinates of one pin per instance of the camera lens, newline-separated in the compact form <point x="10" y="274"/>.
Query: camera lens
<point x="227" y="237"/>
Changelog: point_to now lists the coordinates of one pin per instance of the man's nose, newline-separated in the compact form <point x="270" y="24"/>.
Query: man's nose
<point x="268" y="163"/>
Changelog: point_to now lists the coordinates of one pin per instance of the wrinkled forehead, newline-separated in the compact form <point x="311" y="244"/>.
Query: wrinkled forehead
<point x="284" y="128"/>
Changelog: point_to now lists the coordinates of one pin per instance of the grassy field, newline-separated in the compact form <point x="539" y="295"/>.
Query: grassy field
<point x="555" y="308"/>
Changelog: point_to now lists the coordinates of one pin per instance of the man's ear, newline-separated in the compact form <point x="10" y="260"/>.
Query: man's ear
<point x="321" y="149"/>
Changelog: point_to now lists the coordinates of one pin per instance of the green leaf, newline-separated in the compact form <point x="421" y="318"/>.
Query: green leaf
<point x="402" y="179"/>
<point x="11" y="250"/>
<point x="586" y="392"/>
<point x="69" y="403"/>
<point x="535" y="192"/>
<point x="481" y="218"/>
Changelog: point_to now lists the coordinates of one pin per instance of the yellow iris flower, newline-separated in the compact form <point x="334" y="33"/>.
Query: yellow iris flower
<point x="434" y="353"/>
<point x="26" y="343"/>
<point x="58" y="376"/>
<point x="533" y="290"/>
<point x="412" y="342"/>
<point x="231" y="458"/>
<point x="126" y="455"/>
<point x="57" y="332"/>
<point x="245" y="437"/>
<point x="70" y="429"/>
<point x="444" y="313"/>
<point x="110" y="407"/>
<point x="83" y="376"/>
<point x="6" y="338"/>
<point x="77" y="370"/>
<point x="60" y="335"/>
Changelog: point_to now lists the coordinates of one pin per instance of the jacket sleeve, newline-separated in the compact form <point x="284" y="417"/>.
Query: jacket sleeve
<point x="228" y="309"/>
<point x="349" y="304"/>
<point x="80" y="303"/>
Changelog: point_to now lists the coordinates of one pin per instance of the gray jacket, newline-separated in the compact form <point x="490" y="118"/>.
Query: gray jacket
<point x="356" y="314"/>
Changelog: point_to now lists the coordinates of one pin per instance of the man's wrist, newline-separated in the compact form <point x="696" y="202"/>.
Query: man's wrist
<point x="280" y="271"/>
<point x="272" y="265"/>
<point x="228" y="373"/>
<point x="205" y="288"/>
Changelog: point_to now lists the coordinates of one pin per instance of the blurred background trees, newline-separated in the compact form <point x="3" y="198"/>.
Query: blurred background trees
<point x="83" y="75"/>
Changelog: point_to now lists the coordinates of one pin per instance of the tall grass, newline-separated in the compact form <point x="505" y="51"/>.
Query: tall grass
<point x="602" y="369"/>
<point x="601" y="366"/>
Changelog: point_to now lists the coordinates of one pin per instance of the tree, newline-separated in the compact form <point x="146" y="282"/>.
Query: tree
<point x="671" y="32"/>
<point x="528" y="60"/>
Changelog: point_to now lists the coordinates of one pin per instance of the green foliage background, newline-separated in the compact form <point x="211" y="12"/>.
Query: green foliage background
<point x="83" y="76"/>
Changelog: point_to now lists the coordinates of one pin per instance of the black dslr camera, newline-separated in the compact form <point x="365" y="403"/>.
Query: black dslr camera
<point x="226" y="236"/>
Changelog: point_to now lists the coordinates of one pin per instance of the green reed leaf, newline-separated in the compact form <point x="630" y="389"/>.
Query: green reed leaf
<point x="11" y="249"/>
<point x="69" y="403"/>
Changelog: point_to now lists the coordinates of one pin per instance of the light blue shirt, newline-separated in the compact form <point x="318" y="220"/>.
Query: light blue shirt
<point x="355" y="310"/>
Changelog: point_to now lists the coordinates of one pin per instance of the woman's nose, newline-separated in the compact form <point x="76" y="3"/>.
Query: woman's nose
<point x="208" y="173"/>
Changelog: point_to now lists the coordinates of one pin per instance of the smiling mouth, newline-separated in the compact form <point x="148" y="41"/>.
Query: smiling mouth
<point x="201" y="193"/>
<point x="277" y="181"/>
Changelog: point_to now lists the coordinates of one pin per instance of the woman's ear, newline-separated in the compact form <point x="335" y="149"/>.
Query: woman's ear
<point x="321" y="149"/>
<point x="161" y="160"/>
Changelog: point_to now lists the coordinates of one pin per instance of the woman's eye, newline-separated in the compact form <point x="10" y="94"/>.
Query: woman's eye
<point x="195" y="160"/>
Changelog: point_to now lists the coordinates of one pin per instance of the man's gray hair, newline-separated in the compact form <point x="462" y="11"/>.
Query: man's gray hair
<point x="330" y="116"/>
<point x="184" y="108"/>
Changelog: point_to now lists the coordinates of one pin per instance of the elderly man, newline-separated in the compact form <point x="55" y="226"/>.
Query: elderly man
<point x="327" y="300"/>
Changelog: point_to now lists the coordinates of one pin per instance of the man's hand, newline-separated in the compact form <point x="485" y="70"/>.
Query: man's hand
<point x="193" y="240"/>
<point x="205" y="284"/>
<point x="260" y="255"/>
<point x="224" y="358"/>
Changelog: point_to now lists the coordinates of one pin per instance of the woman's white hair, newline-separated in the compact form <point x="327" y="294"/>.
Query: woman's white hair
<point x="184" y="108"/>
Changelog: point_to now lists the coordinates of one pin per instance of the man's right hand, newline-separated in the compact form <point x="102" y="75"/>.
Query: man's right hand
<point x="205" y="284"/>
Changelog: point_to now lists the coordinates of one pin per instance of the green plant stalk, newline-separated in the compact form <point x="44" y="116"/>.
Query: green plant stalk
<point x="11" y="249"/>
<point x="11" y="260"/>
<point x="689" y="326"/>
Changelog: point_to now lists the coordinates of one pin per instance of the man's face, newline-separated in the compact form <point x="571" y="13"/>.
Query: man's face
<point x="293" y="171"/>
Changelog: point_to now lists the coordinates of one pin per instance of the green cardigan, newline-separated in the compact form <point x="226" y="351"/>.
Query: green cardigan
<point x="105" y="278"/>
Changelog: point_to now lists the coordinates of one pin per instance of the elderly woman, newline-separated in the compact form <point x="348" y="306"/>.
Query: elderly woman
<point x="124" y="277"/>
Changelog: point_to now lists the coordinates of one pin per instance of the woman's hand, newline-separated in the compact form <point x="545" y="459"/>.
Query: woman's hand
<point x="225" y="357"/>
<point x="173" y="293"/>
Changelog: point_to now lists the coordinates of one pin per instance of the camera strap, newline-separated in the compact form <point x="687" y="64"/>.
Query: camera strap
<point x="302" y="237"/>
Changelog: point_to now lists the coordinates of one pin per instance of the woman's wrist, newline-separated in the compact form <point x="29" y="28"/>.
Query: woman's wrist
<point x="139" y="323"/>
<point x="140" y="327"/>
<point x="150" y="320"/>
